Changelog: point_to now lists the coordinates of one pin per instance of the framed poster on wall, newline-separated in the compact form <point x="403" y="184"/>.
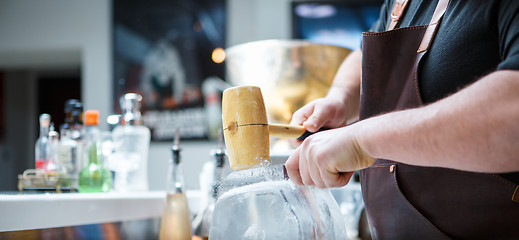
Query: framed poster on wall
<point x="334" y="22"/>
<point x="166" y="50"/>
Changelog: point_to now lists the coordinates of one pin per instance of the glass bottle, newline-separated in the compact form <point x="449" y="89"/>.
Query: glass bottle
<point x="76" y="120"/>
<point x="52" y="164"/>
<point x="76" y="133"/>
<point x="68" y="157"/>
<point x="175" y="223"/>
<point x="94" y="177"/>
<point x="70" y="105"/>
<point x="131" y="145"/>
<point x="42" y="143"/>
<point x="69" y="153"/>
<point x="202" y="221"/>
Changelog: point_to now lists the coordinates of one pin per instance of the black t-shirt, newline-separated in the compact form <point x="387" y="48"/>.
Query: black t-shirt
<point x="475" y="37"/>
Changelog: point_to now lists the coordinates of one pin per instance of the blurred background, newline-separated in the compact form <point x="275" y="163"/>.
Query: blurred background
<point x="179" y="55"/>
<point x="97" y="50"/>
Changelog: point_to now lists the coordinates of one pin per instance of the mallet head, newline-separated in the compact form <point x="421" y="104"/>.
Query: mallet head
<point x="245" y="125"/>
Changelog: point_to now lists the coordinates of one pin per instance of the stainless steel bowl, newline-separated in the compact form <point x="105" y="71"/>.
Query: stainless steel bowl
<point x="290" y="73"/>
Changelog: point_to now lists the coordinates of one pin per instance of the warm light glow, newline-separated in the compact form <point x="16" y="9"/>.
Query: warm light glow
<point x="218" y="55"/>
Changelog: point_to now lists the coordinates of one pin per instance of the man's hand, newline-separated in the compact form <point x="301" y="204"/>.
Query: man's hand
<point x="326" y="112"/>
<point x="327" y="159"/>
<point x="321" y="112"/>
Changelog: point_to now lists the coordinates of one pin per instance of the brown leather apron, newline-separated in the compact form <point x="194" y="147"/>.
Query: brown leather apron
<point x="411" y="202"/>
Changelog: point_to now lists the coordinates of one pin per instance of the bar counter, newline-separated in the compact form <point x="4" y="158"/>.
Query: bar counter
<point x="51" y="210"/>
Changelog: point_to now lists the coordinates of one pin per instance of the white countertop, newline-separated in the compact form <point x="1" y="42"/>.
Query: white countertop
<point x="34" y="211"/>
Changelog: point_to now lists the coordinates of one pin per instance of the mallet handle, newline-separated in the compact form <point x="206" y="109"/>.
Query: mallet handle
<point x="286" y="131"/>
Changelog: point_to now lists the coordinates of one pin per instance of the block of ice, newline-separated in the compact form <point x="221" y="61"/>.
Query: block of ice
<point x="261" y="204"/>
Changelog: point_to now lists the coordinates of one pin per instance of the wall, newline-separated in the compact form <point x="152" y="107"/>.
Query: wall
<point x="68" y="34"/>
<point x="252" y="20"/>
<point x="61" y="33"/>
<point x="49" y="35"/>
<point x="22" y="113"/>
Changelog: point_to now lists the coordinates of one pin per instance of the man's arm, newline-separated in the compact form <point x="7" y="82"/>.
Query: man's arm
<point x="347" y="83"/>
<point x="475" y="129"/>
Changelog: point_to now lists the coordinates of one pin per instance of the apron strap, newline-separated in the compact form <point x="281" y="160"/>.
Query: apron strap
<point x="398" y="10"/>
<point x="433" y="25"/>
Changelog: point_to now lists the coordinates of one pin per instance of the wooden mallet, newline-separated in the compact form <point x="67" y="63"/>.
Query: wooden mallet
<point x="246" y="128"/>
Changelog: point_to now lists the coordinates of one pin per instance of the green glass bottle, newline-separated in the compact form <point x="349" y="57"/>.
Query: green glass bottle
<point x="93" y="177"/>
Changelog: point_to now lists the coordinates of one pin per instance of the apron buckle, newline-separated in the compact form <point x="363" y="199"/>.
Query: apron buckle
<point x="515" y="196"/>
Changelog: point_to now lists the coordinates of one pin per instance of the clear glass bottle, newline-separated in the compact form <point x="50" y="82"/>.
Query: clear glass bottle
<point x="202" y="221"/>
<point x="131" y="145"/>
<point x="42" y="143"/>
<point x="69" y="149"/>
<point x="77" y="131"/>
<point x="68" y="157"/>
<point x="175" y="223"/>
<point x="68" y="154"/>
<point x="94" y="177"/>
<point x="52" y="164"/>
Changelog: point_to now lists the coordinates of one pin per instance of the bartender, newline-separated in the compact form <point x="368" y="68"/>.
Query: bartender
<point x="436" y="92"/>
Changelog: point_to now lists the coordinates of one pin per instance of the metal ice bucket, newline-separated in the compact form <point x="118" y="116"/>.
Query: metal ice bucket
<point x="290" y="73"/>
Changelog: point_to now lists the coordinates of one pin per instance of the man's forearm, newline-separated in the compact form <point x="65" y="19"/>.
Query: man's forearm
<point x="476" y="129"/>
<point x="346" y="84"/>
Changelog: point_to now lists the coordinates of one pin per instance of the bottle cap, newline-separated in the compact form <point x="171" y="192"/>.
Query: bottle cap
<point x="130" y="101"/>
<point x="130" y="105"/>
<point x="91" y="117"/>
<point x="45" y="120"/>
